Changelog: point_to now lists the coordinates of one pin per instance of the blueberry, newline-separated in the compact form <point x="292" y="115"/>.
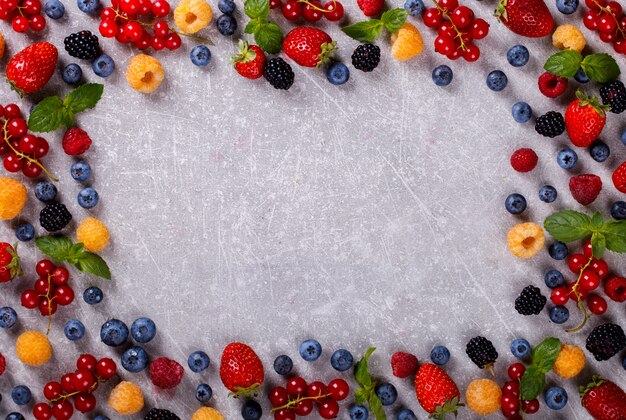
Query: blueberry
<point x="203" y="393"/>
<point x="556" y="397"/>
<point x="103" y="66"/>
<point x="45" y="191"/>
<point x="310" y="350"/>
<point x="358" y="412"/>
<point x="54" y="9"/>
<point x="80" y="171"/>
<point x="101" y="417"/>
<point x="337" y="73"/>
<point x="14" y="416"/>
<point x="567" y="7"/>
<point x="406" y="414"/>
<point x="251" y="410"/>
<point x="624" y="362"/>
<point x="386" y="393"/>
<point x="200" y="55"/>
<point x="87" y="198"/>
<point x="198" y="361"/>
<point x="558" y="250"/>
<point x="283" y="365"/>
<point x="226" y="25"/>
<point x="581" y="76"/>
<point x="442" y="75"/>
<point x="547" y="194"/>
<point x="226" y="6"/>
<point x="599" y="151"/>
<point x="497" y="80"/>
<point x="341" y="360"/>
<point x="554" y="278"/>
<point x="114" y="333"/>
<point x="515" y="203"/>
<point x="559" y="314"/>
<point x="414" y="7"/>
<point x="72" y="73"/>
<point x="88" y="6"/>
<point x="518" y="56"/>
<point x="93" y="295"/>
<point x="440" y="355"/>
<point x="25" y="232"/>
<point x="567" y="158"/>
<point x="623" y="137"/>
<point x="522" y="112"/>
<point x="21" y="395"/>
<point x="134" y="359"/>
<point x="520" y="348"/>
<point x="74" y="330"/>
<point x="143" y="330"/>
<point x="8" y="317"/>
<point x="618" y="210"/>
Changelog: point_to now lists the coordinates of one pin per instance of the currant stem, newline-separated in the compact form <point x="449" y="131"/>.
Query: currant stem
<point x="5" y="135"/>
<point x="608" y="11"/>
<point x="314" y="7"/>
<point x="71" y="394"/>
<point x="581" y="304"/>
<point x="297" y="400"/>
<point x="47" y="296"/>
<point x="459" y="34"/>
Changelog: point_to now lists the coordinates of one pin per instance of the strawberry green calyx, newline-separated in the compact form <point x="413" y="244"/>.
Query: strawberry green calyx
<point x="449" y="407"/>
<point x="246" y="54"/>
<point x="328" y="51"/>
<point x="592" y="101"/>
<point x="14" y="267"/>
<point x="596" y="381"/>
<point x="251" y="391"/>
<point x="500" y="12"/>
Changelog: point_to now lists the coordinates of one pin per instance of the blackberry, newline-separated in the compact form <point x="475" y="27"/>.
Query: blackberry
<point x="550" y="124"/>
<point x="482" y="352"/>
<point x="366" y="57"/>
<point x="605" y="341"/>
<point x="530" y="301"/>
<point x="83" y="45"/>
<point x="614" y="94"/>
<point x="54" y="217"/>
<point x="161" y="414"/>
<point x="278" y="73"/>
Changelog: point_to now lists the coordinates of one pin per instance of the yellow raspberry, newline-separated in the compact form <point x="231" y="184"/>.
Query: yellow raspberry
<point x="406" y="43"/>
<point x="144" y="73"/>
<point x="525" y="240"/>
<point x="33" y="348"/>
<point x="570" y="361"/>
<point x="568" y="37"/>
<point x="12" y="197"/>
<point x="483" y="396"/>
<point x="93" y="234"/>
<point x="1" y="45"/>
<point x="126" y="398"/>
<point x="192" y="15"/>
<point x="207" y="413"/>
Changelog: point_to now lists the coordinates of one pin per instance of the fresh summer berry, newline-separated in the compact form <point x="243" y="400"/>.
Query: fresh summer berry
<point x="558" y="251"/>
<point x="366" y="57"/>
<point x="589" y="280"/>
<point x="226" y="6"/>
<point x="334" y="11"/>
<point x="556" y="398"/>
<point x="403" y="364"/>
<point x="405" y="414"/>
<point x="520" y="348"/>
<point x="103" y="66"/>
<point x="8" y="317"/>
<point x="482" y="352"/>
<point x="371" y="7"/>
<point x="342" y="360"/>
<point x="87" y="198"/>
<point x="525" y="239"/>
<point x="292" y="10"/>
<point x="145" y="73"/>
<point x="88" y="6"/>
<point x="570" y="361"/>
<point x="497" y="80"/>
<point x="33" y="348"/>
<point x="30" y="69"/>
<point x="614" y="95"/>
<point x="226" y="25"/>
<point x="359" y="412"/>
<point x="585" y="188"/>
<point x="21" y="395"/>
<point x="337" y="73"/>
<point x="615" y="288"/>
<point x="45" y="191"/>
<point x="516" y="371"/>
<point x="76" y="141"/>
<point x="92" y="295"/>
<point x="619" y="178"/>
<point x="308" y="46"/>
<point x="548" y="194"/>
<point x="283" y="365"/>
<point x="126" y="398"/>
<point x="310" y="350"/>
<point x="72" y="73"/>
<point x="74" y="330"/>
<point x="567" y="7"/>
<point x="278" y="396"/>
<point x="166" y="373"/>
<point x="339" y="389"/>
<point x="198" y="361"/>
<point x="529" y="302"/>
<point x="550" y="124"/>
<point x="569" y="37"/>
<point x="483" y="396"/>
<point x="240" y="368"/>
<point x="200" y="55"/>
<point x="554" y="278"/>
<point x="530" y="18"/>
<point x="618" y="210"/>
<point x="599" y="151"/>
<point x="54" y="217"/>
<point x="192" y="15"/>
<point x="518" y="56"/>
<point x="93" y="234"/>
<point x="83" y="45"/>
<point x="250" y="61"/>
<point x="328" y="408"/>
<point x="204" y="393"/>
<point x="567" y="158"/>
<point x="522" y="112"/>
<point x="80" y="171"/>
<point x="386" y="393"/>
<point x="406" y="43"/>
<point x="106" y="368"/>
<point x="54" y="9"/>
<point x="605" y="341"/>
<point x="524" y="160"/>
<point x="12" y="198"/>
<point x="581" y="76"/>
<point x="310" y="11"/>
<point x="114" y="333"/>
<point x="584" y="119"/>
<point x="603" y="399"/>
<point x="551" y="85"/>
<point x="143" y="330"/>
<point x="296" y="386"/>
<point x="442" y="75"/>
<point x="434" y="389"/>
<point x="208" y="413"/>
<point x="134" y="359"/>
<point x="515" y="203"/>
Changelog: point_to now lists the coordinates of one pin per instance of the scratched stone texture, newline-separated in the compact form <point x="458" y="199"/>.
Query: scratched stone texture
<point x="364" y="215"/>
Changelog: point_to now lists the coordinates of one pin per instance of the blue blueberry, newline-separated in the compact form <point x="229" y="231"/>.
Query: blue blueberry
<point x="442" y="75"/>
<point x="101" y="417"/>
<point x="359" y="412"/>
<point x="337" y="73"/>
<point x="226" y="6"/>
<point x="226" y="25"/>
<point x="114" y="333"/>
<point x="143" y="330"/>
<point x="45" y="191"/>
<point x="251" y="410"/>
<point x="341" y="360"/>
<point x="554" y="278"/>
<point x="599" y="151"/>
<point x="80" y="171"/>
<point x="88" y="6"/>
<point x="21" y="395"/>
<point x="520" y="348"/>
<point x="54" y="9"/>
<point x="559" y="314"/>
<point x="558" y="250"/>
<point x="93" y="295"/>
<point x="518" y="56"/>
<point x="414" y="7"/>
<point x="522" y="112"/>
<point x="497" y="80"/>
<point x="547" y="194"/>
<point x="134" y="359"/>
<point x="103" y="66"/>
<point x="203" y="393"/>
<point x="556" y="397"/>
<point x="567" y="158"/>
<point x="25" y="232"/>
<point x="87" y="198"/>
<point x="72" y="73"/>
<point x="8" y="317"/>
<point x="310" y="350"/>
<point x="74" y="330"/>
<point x="515" y="203"/>
<point x="623" y="137"/>
<point x="618" y="210"/>
<point x="581" y="76"/>
<point x="14" y="416"/>
<point x="406" y="414"/>
<point x="567" y="7"/>
<point x="624" y="362"/>
<point x="200" y="55"/>
<point x="386" y="393"/>
<point x="198" y="361"/>
<point x="440" y="355"/>
<point x="283" y="365"/>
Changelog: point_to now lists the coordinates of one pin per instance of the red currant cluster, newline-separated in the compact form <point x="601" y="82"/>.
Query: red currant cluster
<point x="608" y="19"/>
<point x="21" y="150"/>
<point x="23" y="14"/>
<point x="510" y="403"/>
<point x="298" y="398"/>
<point x="121" y="21"/>
<point x="77" y="386"/>
<point x="456" y="30"/>
<point x="310" y="10"/>
<point x="50" y="290"/>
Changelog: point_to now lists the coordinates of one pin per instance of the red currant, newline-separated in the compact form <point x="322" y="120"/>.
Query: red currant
<point x="108" y="28"/>
<point x="130" y="7"/>
<point x="52" y="390"/>
<point x="64" y="295"/>
<point x="316" y="389"/>
<point x="328" y="408"/>
<point x="62" y="410"/>
<point x="471" y="53"/>
<point x="67" y="383"/>
<point x="589" y="280"/>
<point x="9" y="5"/>
<point x="82" y="380"/>
<point x="144" y="41"/>
<point x="480" y="28"/>
<point x="161" y="29"/>
<point x="173" y="41"/>
<point x="445" y="45"/>
<point x="296" y="386"/>
<point x="432" y="17"/>
<point x="448" y="4"/>
<point x="133" y="31"/>
<point x="30" y="299"/>
<point x="60" y="276"/>
<point x="516" y="370"/>
<point x="47" y="307"/>
<point x="615" y="9"/>
<point x="12" y="110"/>
<point x="85" y="402"/>
<point x="284" y="414"/>
<point x="31" y="7"/>
<point x="600" y="267"/>
<point x="275" y="4"/>
<point x="509" y="402"/>
<point x="157" y="43"/>
<point x="303" y="407"/>
<point x="608" y="37"/>
<point x="42" y="148"/>
<point x="42" y="411"/>
<point x="12" y="163"/>
<point x="37" y="23"/>
<point x="339" y="389"/>
<point x="160" y="8"/>
<point x="511" y="388"/>
<point x="312" y="12"/>
<point x="145" y="7"/>
<point x="278" y="396"/>
<point x="44" y="267"/>
<point x="28" y="144"/>
<point x="42" y="286"/>
<point x="606" y="24"/>
<point x="581" y="292"/>
<point x="31" y="169"/>
<point x="334" y="10"/>
<point x="106" y="368"/>
<point x="446" y="30"/>
<point x="576" y="262"/>
<point x="462" y="17"/>
<point x="20" y="24"/>
<point x="588" y="249"/>
<point x="530" y="407"/>
<point x="595" y="4"/>
<point x="108" y="13"/>
<point x="86" y="362"/>
<point x="17" y="127"/>
<point x="291" y="10"/>
<point x="596" y="304"/>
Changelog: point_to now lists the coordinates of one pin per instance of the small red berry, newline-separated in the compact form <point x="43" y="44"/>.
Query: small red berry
<point x="44" y="267"/>
<point x="42" y="411"/>
<point x="278" y="396"/>
<point x="85" y="402"/>
<point x="551" y="85"/>
<point x="511" y="387"/>
<point x="328" y="409"/>
<point x="589" y="280"/>
<point x="312" y="12"/>
<point x="173" y="41"/>
<point x="86" y="362"/>
<point x="339" y="389"/>
<point x="596" y="304"/>
<point x="559" y="295"/>
<point x="316" y="389"/>
<point x="334" y="10"/>
<point x="160" y="8"/>
<point x="296" y="386"/>
<point x="60" y="276"/>
<point x="516" y="370"/>
<point x="62" y="410"/>
<point x="524" y="160"/>
<point x="106" y="368"/>
<point x="291" y="10"/>
<point x="52" y="390"/>
<point x="530" y="407"/>
<point x="580" y="294"/>
<point x="615" y="288"/>
<point x="576" y="262"/>
<point x="600" y="267"/>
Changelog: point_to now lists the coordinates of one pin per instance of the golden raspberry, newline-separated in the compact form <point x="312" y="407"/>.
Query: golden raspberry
<point x="483" y="396"/>
<point x="12" y="197"/>
<point x="93" y="234"/>
<point x="144" y="73"/>
<point x="525" y="239"/>
<point x="33" y="348"/>
<point x="568" y="37"/>
<point x="570" y="361"/>
<point x="192" y="15"/>
<point x="1" y="45"/>
<point x="126" y="398"/>
<point x="407" y="43"/>
<point x="207" y="413"/>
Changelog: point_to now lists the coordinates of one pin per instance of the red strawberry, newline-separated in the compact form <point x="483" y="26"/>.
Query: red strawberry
<point x="619" y="178"/>
<point x="524" y="160"/>
<point x="371" y="7"/>
<point x="585" y="188"/>
<point x="30" y="69"/>
<point x="308" y="46"/>
<point x="434" y="389"/>
<point x="403" y="365"/>
<point x="250" y="61"/>
<point x="529" y="18"/>
<point x="241" y="369"/>
<point x="76" y="141"/>
<point x="584" y="119"/>
<point x="9" y="262"/>
<point x="603" y="399"/>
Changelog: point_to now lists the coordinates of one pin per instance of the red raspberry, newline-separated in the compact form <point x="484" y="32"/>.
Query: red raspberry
<point x="551" y="85"/>
<point x="166" y="373"/>
<point x="3" y="364"/>
<point x="371" y="7"/>
<point x="403" y="365"/>
<point x="615" y="288"/>
<point x="619" y="178"/>
<point x="585" y="188"/>
<point x="76" y="141"/>
<point x="524" y="160"/>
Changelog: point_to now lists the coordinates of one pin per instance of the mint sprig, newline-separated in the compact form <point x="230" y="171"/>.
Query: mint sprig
<point x="369" y="30"/>
<point x="600" y="67"/>
<point x="542" y="360"/>
<point x="367" y="385"/>
<point x="61" y="248"/>
<point x="267" y="35"/>
<point x="52" y="112"/>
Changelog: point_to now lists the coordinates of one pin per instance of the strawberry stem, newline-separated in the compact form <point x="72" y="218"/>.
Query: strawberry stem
<point x="5" y="135"/>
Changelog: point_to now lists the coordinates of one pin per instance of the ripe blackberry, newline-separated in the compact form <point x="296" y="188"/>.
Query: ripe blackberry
<point x="605" y="341"/>
<point x="482" y="352"/>
<point x="530" y="301"/>
<point x="83" y="45"/>
<point x="54" y="217"/>
<point x="161" y="414"/>
<point x="366" y="57"/>
<point x="550" y="124"/>
<point x="278" y="73"/>
<point x="614" y="94"/>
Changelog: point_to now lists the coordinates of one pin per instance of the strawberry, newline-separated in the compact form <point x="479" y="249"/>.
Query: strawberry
<point x="619" y="178"/>
<point x="603" y="399"/>
<point x="9" y="262"/>
<point x="436" y="391"/>
<point x="529" y="18"/>
<point x="241" y="369"/>
<point x="585" y="188"/>
<point x="584" y="119"/>
<point x="30" y="69"/>
<point x="371" y="7"/>
<point x="250" y="61"/>
<point x="308" y="46"/>
<point x="403" y="365"/>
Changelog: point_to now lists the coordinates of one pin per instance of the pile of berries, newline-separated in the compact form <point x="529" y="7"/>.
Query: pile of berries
<point x="298" y="398"/>
<point x="310" y="10"/>
<point x="609" y="20"/>
<point x="510" y="403"/>
<point x="23" y="14"/>
<point x="457" y="28"/>
<point x="50" y="289"/>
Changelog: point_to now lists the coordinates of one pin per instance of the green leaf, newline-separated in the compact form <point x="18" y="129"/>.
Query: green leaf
<point x="598" y="244"/>
<point x="614" y="232"/>
<point x="600" y="68"/>
<point x="93" y="264"/>
<point x="56" y="247"/>
<point x="394" y="19"/>
<point x="366" y="31"/>
<point x="47" y="115"/>
<point x="361" y="372"/>
<point x="83" y="97"/>
<point x="269" y="37"/>
<point x="545" y="354"/>
<point x="256" y="8"/>
<point x="564" y="63"/>
<point x="360" y="395"/>
<point x="568" y="225"/>
<point x="596" y="222"/>
<point x="532" y="383"/>
<point x="253" y="26"/>
<point x="75" y="252"/>
<point x="376" y="406"/>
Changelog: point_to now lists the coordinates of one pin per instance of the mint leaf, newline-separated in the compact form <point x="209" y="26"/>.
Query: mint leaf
<point x="360" y="395"/>
<point x="93" y="264"/>
<point x="545" y="354"/>
<point x="361" y="372"/>
<point x="598" y="244"/>
<point x="83" y="97"/>
<point x="564" y="63"/>
<point x="532" y="383"/>
<point x="253" y="26"/>
<point x="61" y="248"/>
<point x="394" y="19"/>
<point x="376" y="406"/>
<point x="366" y="31"/>
<point x="75" y="252"/>
<point x="614" y="232"/>
<point x="56" y="247"/>
<point x="269" y="37"/>
<point x="568" y="225"/>
<point x="47" y="115"/>
<point x="256" y="9"/>
<point x="596" y="222"/>
<point x="600" y="67"/>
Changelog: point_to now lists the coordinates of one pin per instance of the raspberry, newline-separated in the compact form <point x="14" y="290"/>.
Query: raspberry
<point x="33" y="348"/>
<point x="525" y="239"/>
<point x="12" y="198"/>
<point x="144" y="73"/>
<point x="166" y="373"/>
<point x="615" y="288"/>
<point x="524" y="160"/>
<point x="3" y="364"/>
<point x="126" y="398"/>
<point x="551" y="124"/>
<point x="403" y="365"/>
<point x="619" y="178"/>
<point x="568" y="37"/>
<point x="54" y="217"/>
<point x="482" y="352"/>
<point x="530" y="301"/>
<point x="585" y="188"/>
<point x="83" y="45"/>
<point x="614" y="94"/>
<point x="551" y="85"/>
<point x="366" y="57"/>
<point x="483" y="396"/>
<point x="207" y="413"/>
<point x="406" y="42"/>
<point x="161" y="414"/>
<point x="570" y="361"/>
<point x="278" y="73"/>
<point x="76" y="141"/>
<point x="93" y="234"/>
<point x="605" y="341"/>
<point x="192" y="15"/>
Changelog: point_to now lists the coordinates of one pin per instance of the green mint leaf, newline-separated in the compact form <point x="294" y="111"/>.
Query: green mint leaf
<point x="568" y="225"/>
<point x="614" y="232"/>
<point x="93" y="264"/>
<point x="256" y="9"/>
<point x="366" y="31"/>
<point x="361" y="395"/>
<point x="75" y="253"/>
<point x="394" y="19"/>
<point x="269" y="37"/>
<point x="83" y="97"/>
<point x="68" y="117"/>
<point x="564" y="63"/>
<point x="532" y="383"/>
<point x="544" y="355"/>
<point x="376" y="406"/>
<point x="361" y="372"/>
<point x="600" y="68"/>
<point x="56" y="247"/>
<point x="598" y="244"/>
<point x="597" y="221"/>
<point x="47" y="115"/>
<point x="253" y="26"/>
